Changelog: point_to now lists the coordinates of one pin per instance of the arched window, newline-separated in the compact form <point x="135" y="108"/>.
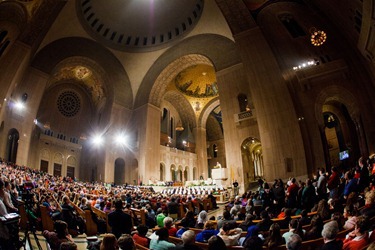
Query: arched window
<point x="171" y="128"/>
<point x="4" y="41"/>
<point x="242" y="102"/>
<point x="164" y="121"/>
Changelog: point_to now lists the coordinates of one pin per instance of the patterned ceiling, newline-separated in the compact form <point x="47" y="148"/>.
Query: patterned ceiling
<point x="138" y="25"/>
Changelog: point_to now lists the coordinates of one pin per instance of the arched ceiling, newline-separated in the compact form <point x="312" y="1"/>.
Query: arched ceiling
<point x="182" y="105"/>
<point x="138" y="25"/>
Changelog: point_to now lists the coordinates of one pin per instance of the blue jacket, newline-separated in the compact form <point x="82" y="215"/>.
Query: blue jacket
<point x="205" y="235"/>
<point x="352" y="186"/>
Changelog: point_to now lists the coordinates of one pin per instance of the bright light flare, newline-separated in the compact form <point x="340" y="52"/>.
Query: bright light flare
<point x="98" y="140"/>
<point x="121" y="139"/>
<point x="19" y="105"/>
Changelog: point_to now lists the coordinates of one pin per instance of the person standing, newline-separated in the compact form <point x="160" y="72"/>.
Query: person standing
<point x="333" y="183"/>
<point x="235" y="188"/>
<point x="322" y="185"/>
<point x="119" y="221"/>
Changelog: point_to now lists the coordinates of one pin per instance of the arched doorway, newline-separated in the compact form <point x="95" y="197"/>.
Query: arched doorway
<point x="179" y="173"/>
<point x="252" y="159"/>
<point x="119" y="171"/>
<point x="173" y="172"/>
<point x="12" y="145"/>
<point x="186" y="174"/>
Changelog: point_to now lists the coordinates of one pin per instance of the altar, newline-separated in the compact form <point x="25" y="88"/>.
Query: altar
<point x="219" y="176"/>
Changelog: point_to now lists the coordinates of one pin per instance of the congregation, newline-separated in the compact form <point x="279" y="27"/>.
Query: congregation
<point x="335" y="210"/>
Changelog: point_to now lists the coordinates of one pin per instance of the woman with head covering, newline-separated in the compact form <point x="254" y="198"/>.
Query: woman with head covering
<point x="252" y="240"/>
<point x="202" y="218"/>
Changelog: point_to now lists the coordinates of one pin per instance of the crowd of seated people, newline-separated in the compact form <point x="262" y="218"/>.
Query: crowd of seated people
<point x="347" y="195"/>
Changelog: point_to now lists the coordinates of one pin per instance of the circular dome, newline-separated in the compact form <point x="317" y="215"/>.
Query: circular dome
<point x="138" y="25"/>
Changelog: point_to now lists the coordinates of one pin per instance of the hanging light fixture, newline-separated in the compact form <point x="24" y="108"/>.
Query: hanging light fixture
<point x="318" y="37"/>
<point x="179" y="126"/>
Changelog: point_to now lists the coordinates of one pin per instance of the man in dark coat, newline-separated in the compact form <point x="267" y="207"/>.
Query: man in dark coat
<point x="119" y="221"/>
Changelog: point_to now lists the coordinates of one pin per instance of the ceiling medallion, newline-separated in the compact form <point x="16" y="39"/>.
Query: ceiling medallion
<point x="318" y="37"/>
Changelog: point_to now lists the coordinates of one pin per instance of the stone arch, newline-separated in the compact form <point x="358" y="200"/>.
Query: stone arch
<point x="339" y="94"/>
<point x="58" y="164"/>
<point x="173" y="171"/>
<point x="13" y="20"/>
<point x="48" y="57"/>
<point x="182" y="106"/>
<point x="45" y="154"/>
<point x="71" y="166"/>
<point x="218" y="51"/>
<point x="202" y="121"/>
<point x="94" y="82"/>
<point x="58" y="158"/>
<point x="13" y="12"/>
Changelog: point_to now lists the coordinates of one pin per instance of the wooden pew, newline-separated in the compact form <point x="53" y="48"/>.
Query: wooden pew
<point x="23" y="214"/>
<point x="140" y="247"/>
<point x="102" y="215"/>
<point x="181" y="211"/>
<point x="47" y="222"/>
<point x="139" y="215"/>
<point x="91" y="227"/>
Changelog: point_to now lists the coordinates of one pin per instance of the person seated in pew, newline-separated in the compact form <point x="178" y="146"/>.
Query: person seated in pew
<point x="168" y="224"/>
<point x="225" y="219"/>
<point x="160" y="242"/>
<point x="304" y="220"/>
<point x="139" y="236"/>
<point x="316" y="228"/>
<point x="329" y="234"/>
<point x="215" y="243"/>
<point x="350" y="214"/>
<point x="295" y="242"/>
<point x="274" y="238"/>
<point x="126" y="242"/>
<point x="294" y="228"/>
<point x="369" y="209"/>
<point x="188" y="220"/>
<point x="71" y="217"/>
<point x="202" y="218"/>
<point x="100" y="223"/>
<point x="358" y="238"/>
<point x="284" y="224"/>
<point x="265" y="223"/>
<point x="109" y="242"/>
<point x="161" y="215"/>
<point x="252" y="239"/>
<point x="208" y="231"/>
<point x="60" y="235"/>
<point x="188" y="240"/>
<point x="229" y="234"/>
<point x="247" y="222"/>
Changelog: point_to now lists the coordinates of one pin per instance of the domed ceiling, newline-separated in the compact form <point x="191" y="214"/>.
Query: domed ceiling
<point x="197" y="81"/>
<point x="138" y="25"/>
